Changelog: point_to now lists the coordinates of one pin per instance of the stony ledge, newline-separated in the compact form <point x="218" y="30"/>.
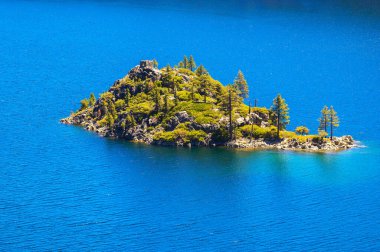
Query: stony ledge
<point x="140" y="134"/>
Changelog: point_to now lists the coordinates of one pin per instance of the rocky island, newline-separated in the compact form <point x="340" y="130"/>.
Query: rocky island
<point x="184" y="106"/>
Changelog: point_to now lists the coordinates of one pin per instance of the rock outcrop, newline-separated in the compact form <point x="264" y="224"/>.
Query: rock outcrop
<point x="144" y="71"/>
<point x="325" y="145"/>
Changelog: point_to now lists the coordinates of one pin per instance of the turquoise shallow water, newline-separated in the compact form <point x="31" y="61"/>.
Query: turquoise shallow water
<point x="65" y="188"/>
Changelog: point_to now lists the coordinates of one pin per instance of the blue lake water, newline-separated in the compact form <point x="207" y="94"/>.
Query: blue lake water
<point x="65" y="188"/>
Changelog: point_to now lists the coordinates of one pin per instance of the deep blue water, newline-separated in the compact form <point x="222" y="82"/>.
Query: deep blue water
<point x="65" y="188"/>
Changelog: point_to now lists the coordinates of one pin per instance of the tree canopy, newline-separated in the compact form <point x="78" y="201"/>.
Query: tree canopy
<point x="280" y="111"/>
<point x="241" y="85"/>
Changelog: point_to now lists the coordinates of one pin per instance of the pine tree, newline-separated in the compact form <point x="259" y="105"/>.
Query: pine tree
<point x="192" y="64"/>
<point x="333" y="121"/>
<point x="241" y="85"/>
<point x="192" y="91"/>
<point x="185" y="62"/>
<point x="156" y="98"/>
<point x="91" y="100"/>
<point x="175" y="95"/>
<point x="155" y="63"/>
<point x="181" y="65"/>
<point x="84" y="104"/>
<point x="127" y="97"/>
<point x="203" y="86"/>
<point x="166" y="105"/>
<point x="230" y="101"/>
<point x="281" y="113"/>
<point x="201" y="70"/>
<point x="324" y="119"/>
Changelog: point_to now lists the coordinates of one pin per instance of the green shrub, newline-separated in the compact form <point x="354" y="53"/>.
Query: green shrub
<point x="302" y="130"/>
<point x="119" y="104"/>
<point x="258" y="132"/>
<point x="186" y="135"/>
<point x="221" y="135"/>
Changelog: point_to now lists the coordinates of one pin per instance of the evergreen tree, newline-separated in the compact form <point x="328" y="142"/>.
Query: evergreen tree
<point x="181" y="65"/>
<point x="333" y="120"/>
<point x="324" y="119"/>
<point x="192" y="91"/>
<point x="230" y="101"/>
<point x="203" y="86"/>
<point x="84" y="104"/>
<point x="201" y="70"/>
<point x="155" y="63"/>
<point x="185" y="62"/>
<point x="192" y="64"/>
<point x="91" y="100"/>
<point x="281" y="113"/>
<point x="241" y="85"/>
<point x="168" y="68"/>
<point x="175" y="95"/>
<point x="166" y="104"/>
<point x="156" y="98"/>
<point x="127" y="97"/>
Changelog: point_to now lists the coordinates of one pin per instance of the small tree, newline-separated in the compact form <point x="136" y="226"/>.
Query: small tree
<point x="185" y="62"/>
<point x="155" y="63"/>
<point x="302" y="130"/>
<point x="333" y="120"/>
<point x="91" y="100"/>
<point x="156" y="98"/>
<point x="230" y="101"/>
<point x="324" y="119"/>
<point x="281" y="113"/>
<point x="241" y="85"/>
<point x="192" y="64"/>
<point x="203" y="86"/>
<point x="181" y="65"/>
<point x="166" y="105"/>
<point x="175" y="95"/>
<point x="127" y="97"/>
<point x="84" y="104"/>
<point x="201" y="70"/>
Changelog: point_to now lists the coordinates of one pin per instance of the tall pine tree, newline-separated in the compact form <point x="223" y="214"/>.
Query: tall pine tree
<point x="324" y="119"/>
<point x="241" y="85"/>
<point x="333" y="121"/>
<point x="185" y="62"/>
<point x="280" y="111"/>
<point x="192" y="64"/>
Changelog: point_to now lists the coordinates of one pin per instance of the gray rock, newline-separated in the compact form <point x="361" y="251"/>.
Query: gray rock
<point x="144" y="71"/>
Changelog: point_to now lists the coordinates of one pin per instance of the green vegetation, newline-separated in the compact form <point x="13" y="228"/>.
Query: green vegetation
<point x="333" y="121"/>
<point x="280" y="112"/>
<point x="185" y="104"/>
<point x="323" y="120"/>
<point x="240" y="84"/>
<point x="302" y="130"/>
<point x="328" y="118"/>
